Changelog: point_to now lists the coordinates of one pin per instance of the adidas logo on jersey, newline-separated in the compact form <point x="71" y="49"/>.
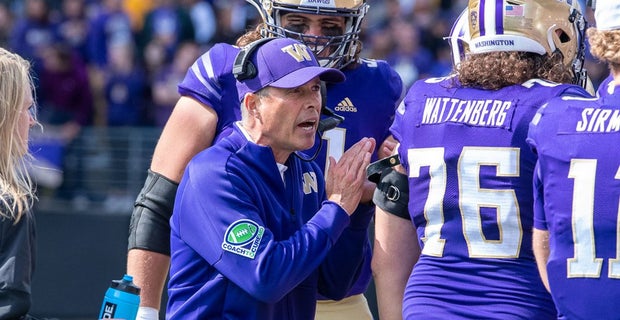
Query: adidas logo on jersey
<point x="346" y="106"/>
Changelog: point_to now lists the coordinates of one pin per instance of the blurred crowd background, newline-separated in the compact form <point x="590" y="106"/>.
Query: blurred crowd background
<point x="107" y="74"/>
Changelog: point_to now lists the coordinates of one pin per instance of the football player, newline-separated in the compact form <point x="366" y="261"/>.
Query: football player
<point x="469" y="169"/>
<point x="209" y="105"/>
<point x="578" y="188"/>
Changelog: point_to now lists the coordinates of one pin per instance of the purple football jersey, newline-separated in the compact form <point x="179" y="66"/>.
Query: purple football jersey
<point x="470" y="178"/>
<point x="579" y="190"/>
<point x="210" y="80"/>
<point x="367" y="100"/>
<point x="606" y="86"/>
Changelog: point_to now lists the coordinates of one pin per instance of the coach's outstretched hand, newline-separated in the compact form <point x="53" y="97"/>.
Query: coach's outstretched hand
<point x="345" y="178"/>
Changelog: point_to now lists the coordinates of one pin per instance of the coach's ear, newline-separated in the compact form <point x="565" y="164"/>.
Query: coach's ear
<point x="249" y="105"/>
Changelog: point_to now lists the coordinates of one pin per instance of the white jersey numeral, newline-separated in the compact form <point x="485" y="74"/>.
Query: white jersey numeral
<point x="335" y="144"/>
<point x="471" y="200"/>
<point x="585" y="264"/>
<point x="433" y="208"/>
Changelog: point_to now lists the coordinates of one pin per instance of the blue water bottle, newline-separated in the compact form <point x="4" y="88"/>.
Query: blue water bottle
<point x="121" y="300"/>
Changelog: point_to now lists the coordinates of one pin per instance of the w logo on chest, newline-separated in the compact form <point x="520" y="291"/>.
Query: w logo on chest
<point x="309" y="182"/>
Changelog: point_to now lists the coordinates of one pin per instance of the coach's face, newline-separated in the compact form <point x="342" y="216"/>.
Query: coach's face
<point x="286" y="119"/>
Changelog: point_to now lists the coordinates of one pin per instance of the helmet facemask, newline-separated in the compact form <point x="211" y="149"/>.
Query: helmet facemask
<point x="459" y="38"/>
<point x="334" y="51"/>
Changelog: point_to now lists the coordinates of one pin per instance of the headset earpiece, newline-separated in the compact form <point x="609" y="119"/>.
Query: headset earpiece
<point x="243" y="68"/>
<point x="323" y="95"/>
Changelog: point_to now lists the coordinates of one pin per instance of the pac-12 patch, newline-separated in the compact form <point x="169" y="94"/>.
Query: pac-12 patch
<point x="243" y="238"/>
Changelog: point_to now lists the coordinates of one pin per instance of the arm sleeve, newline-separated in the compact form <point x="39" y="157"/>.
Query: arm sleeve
<point x="149" y="227"/>
<point x="16" y="266"/>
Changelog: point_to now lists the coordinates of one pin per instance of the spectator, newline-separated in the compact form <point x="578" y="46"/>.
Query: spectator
<point x="6" y="24"/>
<point x="410" y="59"/>
<point x="137" y="10"/>
<point x="66" y="106"/>
<point x="65" y="98"/>
<point x="109" y="26"/>
<point x="233" y="17"/>
<point x="165" y="91"/>
<point x="34" y="31"/>
<point x="204" y="20"/>
<point x="168" y="25"/>
<point x="73" y="26"/>
<point x="125" y="88"/>
<point x="17" y="225"/>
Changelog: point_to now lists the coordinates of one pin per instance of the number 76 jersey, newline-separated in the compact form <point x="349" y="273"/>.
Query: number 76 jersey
<point x="470" y="180"/>
<point x="577" y="202"/>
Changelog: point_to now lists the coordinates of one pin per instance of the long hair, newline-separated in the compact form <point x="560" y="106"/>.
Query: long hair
<point x="495" y="70"/>
<point x="250" y="36"/>
<point x="605" y="46"/>
<point x="16" y="187"/>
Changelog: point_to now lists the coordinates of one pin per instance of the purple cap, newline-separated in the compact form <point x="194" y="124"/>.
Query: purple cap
<point x="285" y="63"/>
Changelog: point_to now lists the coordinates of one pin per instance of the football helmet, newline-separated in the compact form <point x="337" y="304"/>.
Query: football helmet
<point x="459" y="38"/>
<point x="339" y="50"/>
<point x="538" y="26"/>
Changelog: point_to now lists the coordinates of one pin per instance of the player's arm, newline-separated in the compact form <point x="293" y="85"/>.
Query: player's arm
<point x="540" y="243"/>
<point x="395" y="252"/>
<point x="189" y="130"/>
<point x="540" y="235"/>
<point x="387" y="148"/>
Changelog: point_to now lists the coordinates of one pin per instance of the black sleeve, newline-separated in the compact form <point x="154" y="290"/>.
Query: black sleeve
<point x="17" y="260"/>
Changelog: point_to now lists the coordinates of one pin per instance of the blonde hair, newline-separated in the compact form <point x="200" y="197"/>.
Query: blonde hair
<point x="605" y="46"/>
<point x="16" y="187"/>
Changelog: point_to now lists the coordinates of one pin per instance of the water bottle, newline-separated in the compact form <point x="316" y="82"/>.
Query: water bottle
<point x="121" y="300"/>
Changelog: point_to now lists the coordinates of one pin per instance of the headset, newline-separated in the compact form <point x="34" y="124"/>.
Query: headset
<point x="244" y="69"/>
